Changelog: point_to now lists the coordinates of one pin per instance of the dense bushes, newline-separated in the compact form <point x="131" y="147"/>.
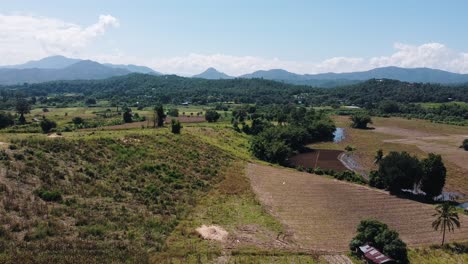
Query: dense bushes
<point x="378" y="235"/>
<point x="465" y="144"/>
<point x="212" y="116"/>
<point x="47" y="125"/>
<point x="6" y="120"/>
<point x="175" y="126"/>
<point x="298" y="127"/>
<point x="360" y="120"/>
<point x="399" y="170"/>
<point x="48" y="196"/>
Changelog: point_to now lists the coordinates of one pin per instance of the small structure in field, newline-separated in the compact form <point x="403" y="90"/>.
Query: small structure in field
<point x="374" y="256"/>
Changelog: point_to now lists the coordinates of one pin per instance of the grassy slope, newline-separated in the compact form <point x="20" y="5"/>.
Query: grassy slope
<point x="122" y="193"/>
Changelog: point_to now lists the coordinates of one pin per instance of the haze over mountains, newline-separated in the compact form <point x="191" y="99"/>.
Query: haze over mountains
<point x="63" y="68"/>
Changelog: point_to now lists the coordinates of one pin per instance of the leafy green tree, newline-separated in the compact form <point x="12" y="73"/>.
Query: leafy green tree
<point x="269" y="146"/>
<point x="212" y="116"/>
<point x="6" y="120"/>
<point x="47" y="125"/>
<point x="22" y="108"/>
<point x="127" y="115"/>
<point x="446" y="219"/>
<point x="90" y="101"/>
<point x="174" y="112"/>
<point x="78" y="120"/>
<point x="465" y="144"/>
<point x="433" y="177"/>
<point x="375" y="180"/>
<point x="159" y="115"/>
<point x="378" y="235"/>
<point x="175" y="126"/>
<point x="399" y="170"/>
<point x="360" y="120"/>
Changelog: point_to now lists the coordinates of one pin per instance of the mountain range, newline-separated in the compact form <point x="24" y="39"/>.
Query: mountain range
<point x="424" y="75"/>
<point x="212" y="74"/>
<point x="63" y="68"/>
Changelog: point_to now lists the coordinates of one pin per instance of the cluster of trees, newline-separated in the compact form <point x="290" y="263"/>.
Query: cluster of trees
<point x="399" y="171"/>
<point x="360" y="120"/>
<point x="295" y="128"/>
<point x="212" y="116"/>
<point x="378" y="235"/>
<point x="452" y="113"/>
<point x="146" y="89"/>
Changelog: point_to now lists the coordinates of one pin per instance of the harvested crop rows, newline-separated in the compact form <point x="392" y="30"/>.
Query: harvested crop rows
<point x="319" y="158"/>
<point x="323" y="213"/>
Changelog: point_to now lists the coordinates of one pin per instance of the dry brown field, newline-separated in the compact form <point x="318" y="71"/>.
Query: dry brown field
<point x="322" y="213"/>
<point x="418" y="137"/>
<point x="319" y="158"/>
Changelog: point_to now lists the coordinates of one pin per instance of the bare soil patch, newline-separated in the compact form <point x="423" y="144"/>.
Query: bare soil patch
<point x="213" y="232"/>
<point x="323" y="213"/>
<point x="319" y="158"/>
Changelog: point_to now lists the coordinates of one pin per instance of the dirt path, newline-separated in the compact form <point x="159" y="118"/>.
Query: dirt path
<point x="323" y="213"/>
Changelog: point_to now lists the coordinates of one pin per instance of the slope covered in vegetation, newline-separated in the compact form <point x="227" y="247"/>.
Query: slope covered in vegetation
<point x="107" y="197"/>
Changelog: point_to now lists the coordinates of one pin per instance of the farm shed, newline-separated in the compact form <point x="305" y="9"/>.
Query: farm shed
<point x="374" y="256"/>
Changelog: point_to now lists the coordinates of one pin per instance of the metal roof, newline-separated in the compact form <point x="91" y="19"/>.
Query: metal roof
<point x="374" y="255"/>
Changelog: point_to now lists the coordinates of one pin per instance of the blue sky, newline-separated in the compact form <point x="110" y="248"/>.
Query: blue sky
<point x="185" y="37"/>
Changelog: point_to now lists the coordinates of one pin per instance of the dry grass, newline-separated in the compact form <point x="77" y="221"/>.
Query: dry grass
<point x="323" y="213"/>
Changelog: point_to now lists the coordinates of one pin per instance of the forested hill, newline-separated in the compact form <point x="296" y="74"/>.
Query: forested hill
<point x="148" y="89"/>
<point x="374" y="91"/>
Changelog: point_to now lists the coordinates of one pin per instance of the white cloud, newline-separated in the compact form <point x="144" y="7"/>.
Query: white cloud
<point x="25" y="37"/>
<point x="431" y="55"/>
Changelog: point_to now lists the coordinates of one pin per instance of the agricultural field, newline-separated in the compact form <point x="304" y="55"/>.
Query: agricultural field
<point x="418" y="137"/>
<point x="319" y="158"/>
<point x="322" y="213"/>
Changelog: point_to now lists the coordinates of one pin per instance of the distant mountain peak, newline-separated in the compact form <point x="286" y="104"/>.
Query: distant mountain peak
<point x="212" y="73"/>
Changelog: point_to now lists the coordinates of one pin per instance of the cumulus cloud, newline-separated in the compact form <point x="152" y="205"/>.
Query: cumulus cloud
<point x="24" y="37"/>
<point x="431" y="55"/>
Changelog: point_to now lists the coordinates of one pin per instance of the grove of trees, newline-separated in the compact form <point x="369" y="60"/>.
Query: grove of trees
<point x="400" y="171"/>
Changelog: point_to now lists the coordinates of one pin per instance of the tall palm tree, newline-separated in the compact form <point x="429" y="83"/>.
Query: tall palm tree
<point x="447" y="218"/>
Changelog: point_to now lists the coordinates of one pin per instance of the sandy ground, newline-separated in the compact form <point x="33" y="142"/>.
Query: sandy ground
<point x="323" y="213"/>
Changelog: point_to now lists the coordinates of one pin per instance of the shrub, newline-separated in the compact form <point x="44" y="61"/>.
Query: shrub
<point x="47" y="125"/>
<point x="6" y="120"/>
<point x="127" y="116"/>
<point x="212" y="116"/>
<point x="465" y="144"/>
<point x="360" y="120"/>
<point x="175" y="126"/>
<point x="378" y="235"/>
<point x="78" y="120"/>
<point x="48" y="196"/>
<point x="174" y="112"/>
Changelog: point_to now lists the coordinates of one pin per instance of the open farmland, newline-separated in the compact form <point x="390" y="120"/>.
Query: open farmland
<point x="418" y="137"/>
<point x="323" y="213"/>
<point x="319" y="158"/>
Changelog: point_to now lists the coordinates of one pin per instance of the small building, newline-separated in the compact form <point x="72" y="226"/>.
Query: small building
<point x="373" y="256"/>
